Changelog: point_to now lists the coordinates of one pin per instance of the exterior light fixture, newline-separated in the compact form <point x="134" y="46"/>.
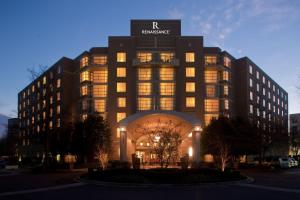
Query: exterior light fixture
<point x="198" y="128"/>
<point x="123" y="129"/>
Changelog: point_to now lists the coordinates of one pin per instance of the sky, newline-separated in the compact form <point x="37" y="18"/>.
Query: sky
<point x="39" y="32"/>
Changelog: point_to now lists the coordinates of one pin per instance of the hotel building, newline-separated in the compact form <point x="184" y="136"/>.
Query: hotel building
<point x="154" y="75"/>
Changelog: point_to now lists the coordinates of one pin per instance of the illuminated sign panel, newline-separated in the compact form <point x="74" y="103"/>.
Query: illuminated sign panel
<point x="155" y="27"/>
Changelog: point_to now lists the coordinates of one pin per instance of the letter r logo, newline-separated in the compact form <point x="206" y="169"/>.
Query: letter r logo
<point x="155" y="25"/>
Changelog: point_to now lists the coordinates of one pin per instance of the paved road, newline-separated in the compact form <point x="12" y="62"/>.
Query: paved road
<point x="268" y="186"/>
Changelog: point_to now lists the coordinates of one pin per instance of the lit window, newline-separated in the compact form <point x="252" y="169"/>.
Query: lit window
<point x="211" y="76"/>
<point x="225" y="76"/>
<point x="121" y="87"/>
<point x="210" y="91"/>
<point x="144" y="103"/>
<point x="58" y="83"/>
<point x="118" y="132"/>
<point x="58" y="123"/>
<point x="226" y="90"/>
<point x="121" y="72"/>
<point x="84" y="76"/>
<point x="190" y="87"/>
<point x="144" y="57"/>
<point x="210" y="60"/>
<point x="84" y="90"/>
<point x="190" y="71"/>
<point x="190" y="57"/>
<point x="144" y="88"/>
<point x="144" y="74"/>
<point x="166" y="74"/>
<point x="58" y="96"/>
<point x="166" y="56"/>
<point x="44" y="80"/>
<point x="84" y="117"/>
<point x="50" y="124"/>
<point x="58" y="109"/>
<point x="167" y="88"/>
<point x="227" y="62"/>
<point x="190" y="102"/>
<point x="100" y="76"/>
<point x="121" y="57"/>
<point x="100" y="60"/>
<point x="120" y="116"/>
<point x="99" y="105"/>
<point x="32" y="88"/>
<point x="226" y="104"/>
<point x="209" y="117"/>
<point x="99" y="90"/>
<point x="166" y="103"/>
<point x="38" y="83"/>
<point x="84" y="105"/>
<point x="51" y="112"/>
<point x="84" y="61"/>
<point x="211" y="105"/>
<point x="121" y="102"/>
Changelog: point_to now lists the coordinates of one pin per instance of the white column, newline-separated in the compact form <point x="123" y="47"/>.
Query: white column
<point x="196" y="144"/>
<point x="123" y="144"/>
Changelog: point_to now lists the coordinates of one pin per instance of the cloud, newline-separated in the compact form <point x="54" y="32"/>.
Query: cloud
<point x="174" y="13"/>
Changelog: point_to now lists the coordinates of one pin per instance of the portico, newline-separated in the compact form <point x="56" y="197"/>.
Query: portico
<point x="133" y="137"/>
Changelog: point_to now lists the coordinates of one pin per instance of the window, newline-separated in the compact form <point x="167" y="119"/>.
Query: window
<point x="121" y="57"/>
<point x="121" y="72"/>
<point x="120" y="116"/>
<point x="144" y="57"/>
<point x="84" y="76"/>
<point x="211" y="105"/>
<point x="210" y="60"/>
<point x="257" y="74"/>
<point x="190" y="87"/>
<point x="84" y="117"/>
<point x="211" y="76"/>
<point x="227" y="61"/>
<point x="210" y="91"/>
<point x="190" y="102"/>
<point x="58" y="123"/>
<point x="166" y="56"/>
<point x="144" y="74"/>
<point x="226" y="104"/>
<point x="59" y="69"/>
<point x="225" y="76"/>
<point x="250" y="82"/>
<point x="99" y="90"/>
<point x="144" y="103"/>
<point x="50" y="124"/>
<point x="121" y="102"/>
<point x="225" y="90"/>
<point x="32" y="88"/>
<point x="121" y="87"/>
<point x="190" y="57"/>
<point x="166" y="103"/>
<point x="58" y="96"/>
<point x="251" y="109"/>
<point x="58" y="109"/>
<point x="264" y="79"/>
<point x="251" y="95"/>
<point x="100" y="76"/>
<point x="190" y="71"/>
<point x="84" y="61"/>
<point x="99" y="105"/>
<point x="209" y="117"/>
<point x="58" y="83"/>
<point x="166" y="74"/>
<point x="257" y="87"/>
<point x="84" y="105"/>
<point x="100" y="60"/>
<point x="250" y="69"/>
<point x="84" y="90"/>
<point x="167" y="88"/>
<point x="144" y="88"/>
<point x="38" y="83"/>
<point x="44" y="80"/>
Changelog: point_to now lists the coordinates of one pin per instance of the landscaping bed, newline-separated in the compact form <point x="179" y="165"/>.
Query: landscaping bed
<point x="163" y="176"/>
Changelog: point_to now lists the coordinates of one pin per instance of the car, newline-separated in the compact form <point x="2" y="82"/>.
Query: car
<point x="293" y="162"/>
<point x="284" y="163"/>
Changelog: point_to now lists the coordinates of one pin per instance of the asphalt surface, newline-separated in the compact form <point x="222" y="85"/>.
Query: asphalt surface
<point x="268" y="185"/>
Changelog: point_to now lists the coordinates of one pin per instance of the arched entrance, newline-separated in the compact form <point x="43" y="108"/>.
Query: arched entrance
<point x="134" y="134"/>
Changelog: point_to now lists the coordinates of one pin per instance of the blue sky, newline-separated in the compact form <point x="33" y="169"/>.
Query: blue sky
<point x="39" y="32"/>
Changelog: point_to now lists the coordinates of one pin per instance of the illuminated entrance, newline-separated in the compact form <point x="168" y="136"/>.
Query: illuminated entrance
<point x="139" y="134"/>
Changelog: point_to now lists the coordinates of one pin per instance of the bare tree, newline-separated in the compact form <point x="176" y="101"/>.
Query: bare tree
<point x="164" y="139"/>
<point x="35" y="73"/>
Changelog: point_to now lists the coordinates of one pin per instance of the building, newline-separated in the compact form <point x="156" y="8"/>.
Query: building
<point x="12" y="136"/>
<point x="295" y="134"/>
<point x="154" y="75"/>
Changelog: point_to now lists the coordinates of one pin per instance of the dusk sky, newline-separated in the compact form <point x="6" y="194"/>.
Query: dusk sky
<point x="40" y="32"/>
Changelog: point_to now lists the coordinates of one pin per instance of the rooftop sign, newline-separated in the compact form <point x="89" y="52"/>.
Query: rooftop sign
<point x="155" y="27"/>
